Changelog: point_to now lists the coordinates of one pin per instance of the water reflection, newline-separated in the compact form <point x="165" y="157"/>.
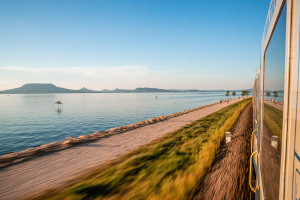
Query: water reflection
<point x="273" y="106"/>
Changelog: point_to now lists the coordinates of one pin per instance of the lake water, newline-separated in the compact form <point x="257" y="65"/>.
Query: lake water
<point x="29" y="120"/>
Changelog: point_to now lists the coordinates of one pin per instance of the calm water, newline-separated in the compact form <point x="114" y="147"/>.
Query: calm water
<point x="30" y="121"/>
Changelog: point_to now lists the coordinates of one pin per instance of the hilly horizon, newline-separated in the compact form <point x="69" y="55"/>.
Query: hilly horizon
<point x="45" y="88"/>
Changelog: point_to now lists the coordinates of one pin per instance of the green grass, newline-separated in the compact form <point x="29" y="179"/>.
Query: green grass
<point x="273" y="120"/>
<point x="169" y="168"/>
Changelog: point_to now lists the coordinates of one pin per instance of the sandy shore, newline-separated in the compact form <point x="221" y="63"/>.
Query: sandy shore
<point x="51" y="170"/>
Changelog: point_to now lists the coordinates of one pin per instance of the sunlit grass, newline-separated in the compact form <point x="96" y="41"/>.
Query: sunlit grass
<point x="169" y="168"/>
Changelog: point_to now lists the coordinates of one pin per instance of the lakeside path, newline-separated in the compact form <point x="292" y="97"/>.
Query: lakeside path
<point x="54" y="169"/>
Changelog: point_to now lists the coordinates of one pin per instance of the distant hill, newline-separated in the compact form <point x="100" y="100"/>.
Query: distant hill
<point x="138" y="90"/>
<point x="39" y="88"/>
<point x="85" y="90"/>
<point x="117" y="90"/>
<point x="150" y="90"/>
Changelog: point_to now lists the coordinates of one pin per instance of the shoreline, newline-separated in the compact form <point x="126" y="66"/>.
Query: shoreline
<point x="30" y="153"/>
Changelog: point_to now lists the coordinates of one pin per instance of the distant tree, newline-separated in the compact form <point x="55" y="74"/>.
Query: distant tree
<point x="268" y="94"/>
<point x="227" y="93"/>
<point x="244" y="93"/>
<point x="275" y="94"/>
<point x="233" y="93"/>
<point x="248" y="92"/>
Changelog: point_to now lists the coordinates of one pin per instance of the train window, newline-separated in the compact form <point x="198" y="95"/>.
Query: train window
<point x="273" y="108"/>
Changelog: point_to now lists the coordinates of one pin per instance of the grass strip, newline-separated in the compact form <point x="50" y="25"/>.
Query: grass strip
<point x="169" y="168"/>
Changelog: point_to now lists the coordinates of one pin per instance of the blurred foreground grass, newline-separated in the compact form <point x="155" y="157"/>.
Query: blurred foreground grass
<point x="169" y="168"/>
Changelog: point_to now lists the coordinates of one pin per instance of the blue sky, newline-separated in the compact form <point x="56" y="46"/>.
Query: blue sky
<point x="127" y="44"/>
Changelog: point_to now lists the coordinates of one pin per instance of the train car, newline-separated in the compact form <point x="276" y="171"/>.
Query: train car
<point x="276" y="100"/>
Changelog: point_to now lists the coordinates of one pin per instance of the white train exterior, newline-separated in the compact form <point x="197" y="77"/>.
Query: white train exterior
<point x="276" y="98"/>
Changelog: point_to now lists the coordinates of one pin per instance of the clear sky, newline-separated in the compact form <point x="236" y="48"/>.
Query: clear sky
<point x="169" y="44"/>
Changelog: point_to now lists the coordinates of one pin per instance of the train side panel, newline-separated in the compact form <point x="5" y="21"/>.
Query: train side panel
<point x="291" y="174"/>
